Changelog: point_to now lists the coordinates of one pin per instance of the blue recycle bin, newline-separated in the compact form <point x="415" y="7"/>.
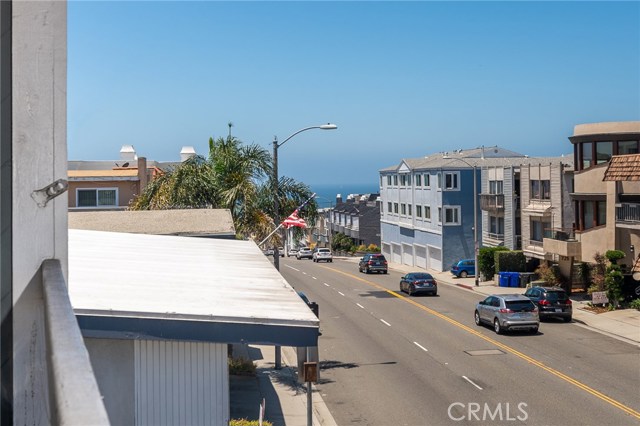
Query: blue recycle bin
<point x="503" y="279"/>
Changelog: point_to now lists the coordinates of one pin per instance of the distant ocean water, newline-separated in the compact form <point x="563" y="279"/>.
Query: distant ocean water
<point x="326" y="193"/>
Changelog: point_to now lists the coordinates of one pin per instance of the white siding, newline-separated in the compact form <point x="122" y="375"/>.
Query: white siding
<point x="435" y="258"/>
<point x="407" y="254"/>
<point x="181" y="383"/>
<point x="421" y="256"/>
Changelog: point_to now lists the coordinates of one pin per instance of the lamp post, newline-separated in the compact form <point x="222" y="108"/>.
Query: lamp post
<point x="475" y="216"/>
<point x="276" y="145"/>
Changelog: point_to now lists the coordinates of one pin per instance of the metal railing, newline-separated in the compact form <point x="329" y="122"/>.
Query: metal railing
<point x="495" y="236"/>
<point x="628" y="212"/>
<point x="561" y="234"/>
<point x="73" y="391"/>
<point x="492" y="201"/>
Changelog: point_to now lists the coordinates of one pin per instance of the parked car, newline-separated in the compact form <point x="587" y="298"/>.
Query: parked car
<point x="508" y="312"/>
<point x="551" y="302"/>
<point x="268" y="252"/>
<point x="463" y="268"/>
<point x="373" y="263"/>
<point x="281" y="251"/>
<point x="419" y="282"/>
<point x="292" y="252"/>
<point x="304" y="253"/>
<point x="322" y="255"/>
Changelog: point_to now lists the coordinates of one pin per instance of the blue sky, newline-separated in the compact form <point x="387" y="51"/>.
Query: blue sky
<point x="400" y="79"/>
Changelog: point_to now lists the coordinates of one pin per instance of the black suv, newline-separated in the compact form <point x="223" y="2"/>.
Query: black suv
<point x="551" y="302"/>
<point x="373" y="262"/>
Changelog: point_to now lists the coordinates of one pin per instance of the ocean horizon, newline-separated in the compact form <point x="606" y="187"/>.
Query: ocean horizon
<point x="326" y="193"/>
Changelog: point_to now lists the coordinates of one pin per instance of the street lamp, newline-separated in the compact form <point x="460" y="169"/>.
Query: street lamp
<point x="276" y="145"/>
<point x="475" y="216"/>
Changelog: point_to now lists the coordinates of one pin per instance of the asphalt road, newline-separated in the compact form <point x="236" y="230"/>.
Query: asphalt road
<point x="389" y="359"/>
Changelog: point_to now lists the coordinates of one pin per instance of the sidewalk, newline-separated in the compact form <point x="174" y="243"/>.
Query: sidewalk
<point x="286" y="398"/>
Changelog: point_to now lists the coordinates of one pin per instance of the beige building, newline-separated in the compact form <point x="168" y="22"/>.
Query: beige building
<point x="606" y="193"/>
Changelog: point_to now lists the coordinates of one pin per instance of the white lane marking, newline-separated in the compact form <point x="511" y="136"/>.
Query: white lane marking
<point x="360" y="305"/>
<point x="314" y="278"/>
<point x="384" y="322"/>
<point x="420" y="346"/>
<point x="292" y="268"/>
<point x="469" y="380"/>
<point x="341" y="293"/>
<point x="326" y="284"/>
<point x="304" y="273"/>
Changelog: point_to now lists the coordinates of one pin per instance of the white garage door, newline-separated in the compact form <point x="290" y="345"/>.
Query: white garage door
<point x="396" y="254"/>
<point x="435" y="258"/>
<point x="421" y="256"/>
<point x="407" y="254"/>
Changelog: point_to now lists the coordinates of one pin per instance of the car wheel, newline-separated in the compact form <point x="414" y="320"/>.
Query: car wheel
<point x="366" y="270"/>
<point x="463" y="274"/>
<point x="567" y="319"/>
<point x="476" y="317"/>
<point x="412" y="289"/>
<point x="384" y="272"/>
<point x="496" y="326"/>
<point x="401" y="289"/>
<point x="534" y="330"/>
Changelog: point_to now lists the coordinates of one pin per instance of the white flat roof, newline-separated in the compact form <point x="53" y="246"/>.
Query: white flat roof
<point x="171" y="278"/>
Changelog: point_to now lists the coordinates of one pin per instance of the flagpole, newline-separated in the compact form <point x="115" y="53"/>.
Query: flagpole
<point x="272" y="232"/>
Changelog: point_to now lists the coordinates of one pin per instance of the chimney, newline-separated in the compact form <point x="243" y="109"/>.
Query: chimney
<point x="128" y="153"/>
<point x="143" y="176"/>
<point x="338" y="198"/>
<point x="187" y="152"/>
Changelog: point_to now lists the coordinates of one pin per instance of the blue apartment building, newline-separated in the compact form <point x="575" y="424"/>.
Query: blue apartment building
<point x="427" y="206"/>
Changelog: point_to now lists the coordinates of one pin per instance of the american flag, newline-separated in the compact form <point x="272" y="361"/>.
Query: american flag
<point x="294" y="220"/>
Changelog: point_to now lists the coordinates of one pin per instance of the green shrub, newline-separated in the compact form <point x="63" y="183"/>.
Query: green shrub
<point x="549" y="274"/>
<point x="241" y="366"/>
<point x="245" y="422"/>
<point x="635" y="304"/>
<point x="614" y="255"/>
<point x="486" y="261"/>
<point x="613" y="282"/>
<point x="510" y="261"/>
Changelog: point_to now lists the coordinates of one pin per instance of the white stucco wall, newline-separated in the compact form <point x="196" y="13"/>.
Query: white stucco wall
<point x="39" y="157"/>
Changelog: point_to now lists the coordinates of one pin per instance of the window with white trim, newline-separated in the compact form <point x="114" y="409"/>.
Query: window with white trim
<point x="388" y="180"/>
<point x="427" y="180"/>
<point x="452" y="215"/>
<point x="409" y="209"/>
<point x="389" y="207"/>
<point x="97" y="197"/>
<point x="451" y="180"/>
<point x="395" y="208"/>
<point x="427" y="212"/>
<point x="419" y="212"/>
<point x="403" y="209"/>
<point x="395" y="180"/>
<point x="439" y="214"/>
<point x="403" y="180"/>
<point x="418" y="180"/>
<point x="439" y="180"/>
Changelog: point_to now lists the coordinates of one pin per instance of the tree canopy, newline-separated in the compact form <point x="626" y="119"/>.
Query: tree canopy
<point x="236" y="177"/>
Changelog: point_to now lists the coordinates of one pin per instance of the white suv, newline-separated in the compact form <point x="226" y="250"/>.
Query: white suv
<point x="322" y="254"/>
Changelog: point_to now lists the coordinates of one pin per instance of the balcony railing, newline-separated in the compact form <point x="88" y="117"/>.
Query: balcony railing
<point x="628" y="213"/>
<point x="494" y="236"/>
<point x="492" y="202"/>
<point x="74" y="397"/>
<point x="563" y="242"/>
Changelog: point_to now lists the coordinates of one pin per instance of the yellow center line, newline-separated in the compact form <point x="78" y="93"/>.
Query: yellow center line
<point x="509" y="349"/>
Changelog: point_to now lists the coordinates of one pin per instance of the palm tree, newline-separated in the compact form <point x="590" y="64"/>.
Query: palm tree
<point x="234" y="176"/>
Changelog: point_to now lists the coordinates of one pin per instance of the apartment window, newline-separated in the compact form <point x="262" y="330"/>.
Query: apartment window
<point x="439" y="214"/>
<point x="496" y="187"/>
<point x="451" y="180"/>
<point x="452" y="215"/>
<point x="496" y="226"/>
<point x="418" y="180"/>
<point x="388" y="180"/>
<point x="427" y="212"/>
<point x="97" y="197"/>
<point x="403" y="209"/>
<point x="427" y="180"/>
<point x="403" y="180"/>
<point x="395" y="180"/>
<point x="439" y="181"/>
<point x="540" y="189"/>
<point x="592" y="214"/>
<point x="381" y="182"/>
<point x="419" y="211"/>
<point x="587" y="155"/>
<point x="409" y="209"/>
<point x="604" y="152"/>
<point x="389" y="206"/>
<point x="395" y="208"/>
<point x="627" y="147"/>
<point x="539" y="229"/>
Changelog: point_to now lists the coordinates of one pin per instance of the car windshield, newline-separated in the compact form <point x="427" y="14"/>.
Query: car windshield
<point x="520" y="305"/>
<point x="554" y="296"/>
